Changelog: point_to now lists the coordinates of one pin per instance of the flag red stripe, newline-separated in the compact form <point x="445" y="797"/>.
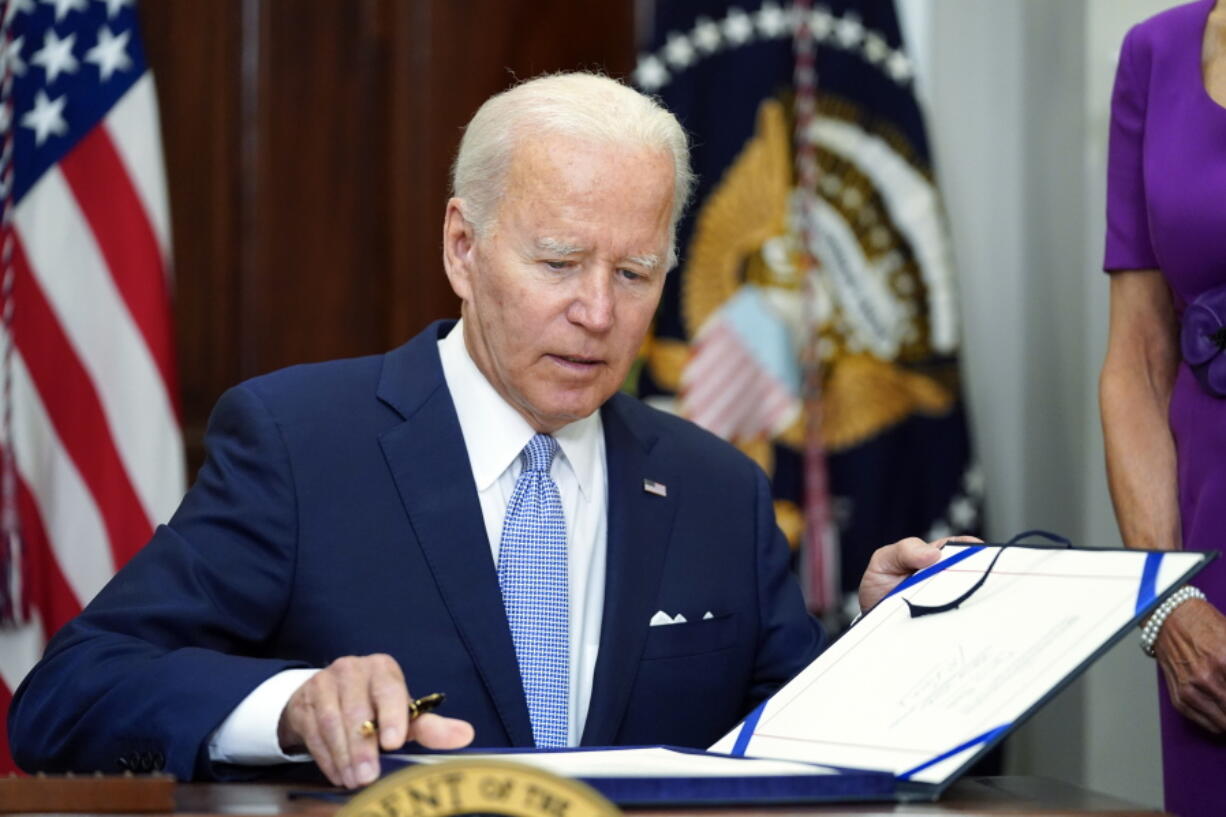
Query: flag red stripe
<point x="76" y="412"/>
<point x="103" y="189"/>
<point x="744" y="416"/>
<point x="7" y="766"/>
<point x="729" y="401"/>
<point x="709" y="350"/>
<point x="775" y="406"/>
<point x="733" y="366"/>
<point x="44" y="586"/>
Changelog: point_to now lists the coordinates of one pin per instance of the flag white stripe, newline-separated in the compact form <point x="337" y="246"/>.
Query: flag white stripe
<point x="714" y="344"/>
<point x="70" y="516"/>
<point x="734" y="397"/>
<point x="722" y="367"/>
<point x="778" y="402"/>
<point x="20" y="648"/>
<point x="721" y="414"/>
<point x="133" y="125"/>
<point x="741" y="415"/>
<point x="712" y="363"/>
<point x="92" y="313"/>
<point x="715" y="389"/>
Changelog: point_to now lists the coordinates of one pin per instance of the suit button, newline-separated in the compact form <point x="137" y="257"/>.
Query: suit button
<point x="123" y="763"/>
<point x="159" y="761"/>
<point x="146" y="761"/>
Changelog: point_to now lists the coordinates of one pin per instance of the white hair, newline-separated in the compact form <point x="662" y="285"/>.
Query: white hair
<point x="581" y="105"/>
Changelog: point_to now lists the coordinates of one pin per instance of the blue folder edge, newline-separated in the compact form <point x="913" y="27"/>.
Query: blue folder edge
<point x="1148" y="600"/>
<point x="846" y="785"/>
<point x="849" y="784"/>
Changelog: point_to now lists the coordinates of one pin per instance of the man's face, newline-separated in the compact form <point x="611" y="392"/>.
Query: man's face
<point x="560" y="290"/>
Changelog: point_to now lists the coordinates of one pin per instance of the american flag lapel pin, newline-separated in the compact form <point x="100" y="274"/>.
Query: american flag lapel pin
<point x="653" y="487"/>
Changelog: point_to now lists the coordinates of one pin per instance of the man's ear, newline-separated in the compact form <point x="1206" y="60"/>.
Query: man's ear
<point x="459" y="249"/>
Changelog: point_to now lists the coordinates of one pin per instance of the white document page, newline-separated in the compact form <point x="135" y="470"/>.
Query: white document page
<point x="638" y="762"/>
<point x="918" y="696"/>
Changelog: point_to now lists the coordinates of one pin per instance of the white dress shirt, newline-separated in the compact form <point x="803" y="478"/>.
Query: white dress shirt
<point x="494" y="435"/>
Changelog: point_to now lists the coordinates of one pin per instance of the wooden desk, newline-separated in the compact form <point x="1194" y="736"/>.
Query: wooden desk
<point x="970" y="796"/>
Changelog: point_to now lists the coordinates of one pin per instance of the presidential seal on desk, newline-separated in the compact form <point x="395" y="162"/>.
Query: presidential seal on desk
<point x="454" y="787"/>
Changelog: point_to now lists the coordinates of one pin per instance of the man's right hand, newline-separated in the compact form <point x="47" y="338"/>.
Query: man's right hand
<point x="325" y="718"/>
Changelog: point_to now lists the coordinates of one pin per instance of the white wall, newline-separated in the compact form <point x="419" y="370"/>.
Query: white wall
<point x="1017" y="93"/>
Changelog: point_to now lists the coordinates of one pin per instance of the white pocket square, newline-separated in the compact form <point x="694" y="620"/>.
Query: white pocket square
<point x="661" y="618"/>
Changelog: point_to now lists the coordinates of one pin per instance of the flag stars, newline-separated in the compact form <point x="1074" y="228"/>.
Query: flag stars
<point x="875" y="48"/>
<point x="738" y="28"/>
<point x="771" y="20"/>
<point x="113" y="7"/>
<point x="10" y="56"/>
<point x="110" y="54"/>
<point x="62" y="7"/>
<point x="899" y="67"/>
<point x="963" y="513"/>
<point x="973" y="481"/>
<point x="16" y="7"/>
<point x="820" y="24"/>
<point x="678" y="51"/>
<point x="706" y="35"/>
<point x="56" y="55"/>
<point x="939" y="530"/>
<point x="46" y="117"/>
<point x="849" y="31"/>
<point x="650" y="73"/>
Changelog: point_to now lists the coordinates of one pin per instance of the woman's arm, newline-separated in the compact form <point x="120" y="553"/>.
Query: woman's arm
<point x="1134" y="397"/>
<point x="1134" y="394"/>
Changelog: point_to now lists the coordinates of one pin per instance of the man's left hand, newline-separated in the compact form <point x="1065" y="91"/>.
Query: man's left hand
<point x="893" y="563"/>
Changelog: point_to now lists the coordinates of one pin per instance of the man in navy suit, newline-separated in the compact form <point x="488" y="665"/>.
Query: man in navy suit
<point x="341" y="543"/>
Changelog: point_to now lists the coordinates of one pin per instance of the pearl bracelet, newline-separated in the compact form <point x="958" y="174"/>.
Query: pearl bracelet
<point x="1149" y="633"/>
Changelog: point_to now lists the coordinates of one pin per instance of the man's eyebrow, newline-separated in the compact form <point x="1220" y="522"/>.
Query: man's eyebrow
<point x="553" y="245"/>
<point x="649" y="261"/>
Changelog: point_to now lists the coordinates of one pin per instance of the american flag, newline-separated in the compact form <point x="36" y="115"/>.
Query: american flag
<point x="93" y="454"/>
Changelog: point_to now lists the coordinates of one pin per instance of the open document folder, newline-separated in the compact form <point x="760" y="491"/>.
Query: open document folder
<point x="903" y="703"/>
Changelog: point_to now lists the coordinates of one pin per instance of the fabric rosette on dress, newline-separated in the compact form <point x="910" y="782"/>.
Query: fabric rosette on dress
<point x="1203" y="339"/>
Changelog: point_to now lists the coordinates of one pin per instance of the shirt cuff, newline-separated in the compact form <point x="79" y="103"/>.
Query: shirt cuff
<point x="248" y="736"/>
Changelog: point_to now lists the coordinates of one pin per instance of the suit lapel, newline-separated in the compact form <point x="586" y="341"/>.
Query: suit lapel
<point x="429" y="464"/>
<point x="639" y="527"/>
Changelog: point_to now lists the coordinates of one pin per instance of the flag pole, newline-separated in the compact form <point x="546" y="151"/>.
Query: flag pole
<point x="820" y="559"/>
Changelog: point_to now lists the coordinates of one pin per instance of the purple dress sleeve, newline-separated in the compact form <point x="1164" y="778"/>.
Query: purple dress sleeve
<point x="1128" y="239"/>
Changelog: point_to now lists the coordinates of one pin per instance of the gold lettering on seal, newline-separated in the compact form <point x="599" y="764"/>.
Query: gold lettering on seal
<point x="456" y="787"/>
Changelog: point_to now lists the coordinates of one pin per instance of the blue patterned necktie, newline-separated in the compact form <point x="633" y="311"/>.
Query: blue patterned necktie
<point x="533" y="576"/>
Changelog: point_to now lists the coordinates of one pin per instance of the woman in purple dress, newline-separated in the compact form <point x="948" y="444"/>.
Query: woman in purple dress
<point x="1163" y="385"/>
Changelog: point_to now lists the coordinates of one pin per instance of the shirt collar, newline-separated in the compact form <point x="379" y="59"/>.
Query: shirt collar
<point x="495" y="433"/>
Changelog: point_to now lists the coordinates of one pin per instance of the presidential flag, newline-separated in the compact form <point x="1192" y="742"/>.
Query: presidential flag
<point x="92" y="451"/>
<point x="812" y="320"/>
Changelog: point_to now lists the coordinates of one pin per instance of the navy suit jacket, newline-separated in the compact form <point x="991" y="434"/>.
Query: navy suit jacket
<point x="336" y="514"/>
